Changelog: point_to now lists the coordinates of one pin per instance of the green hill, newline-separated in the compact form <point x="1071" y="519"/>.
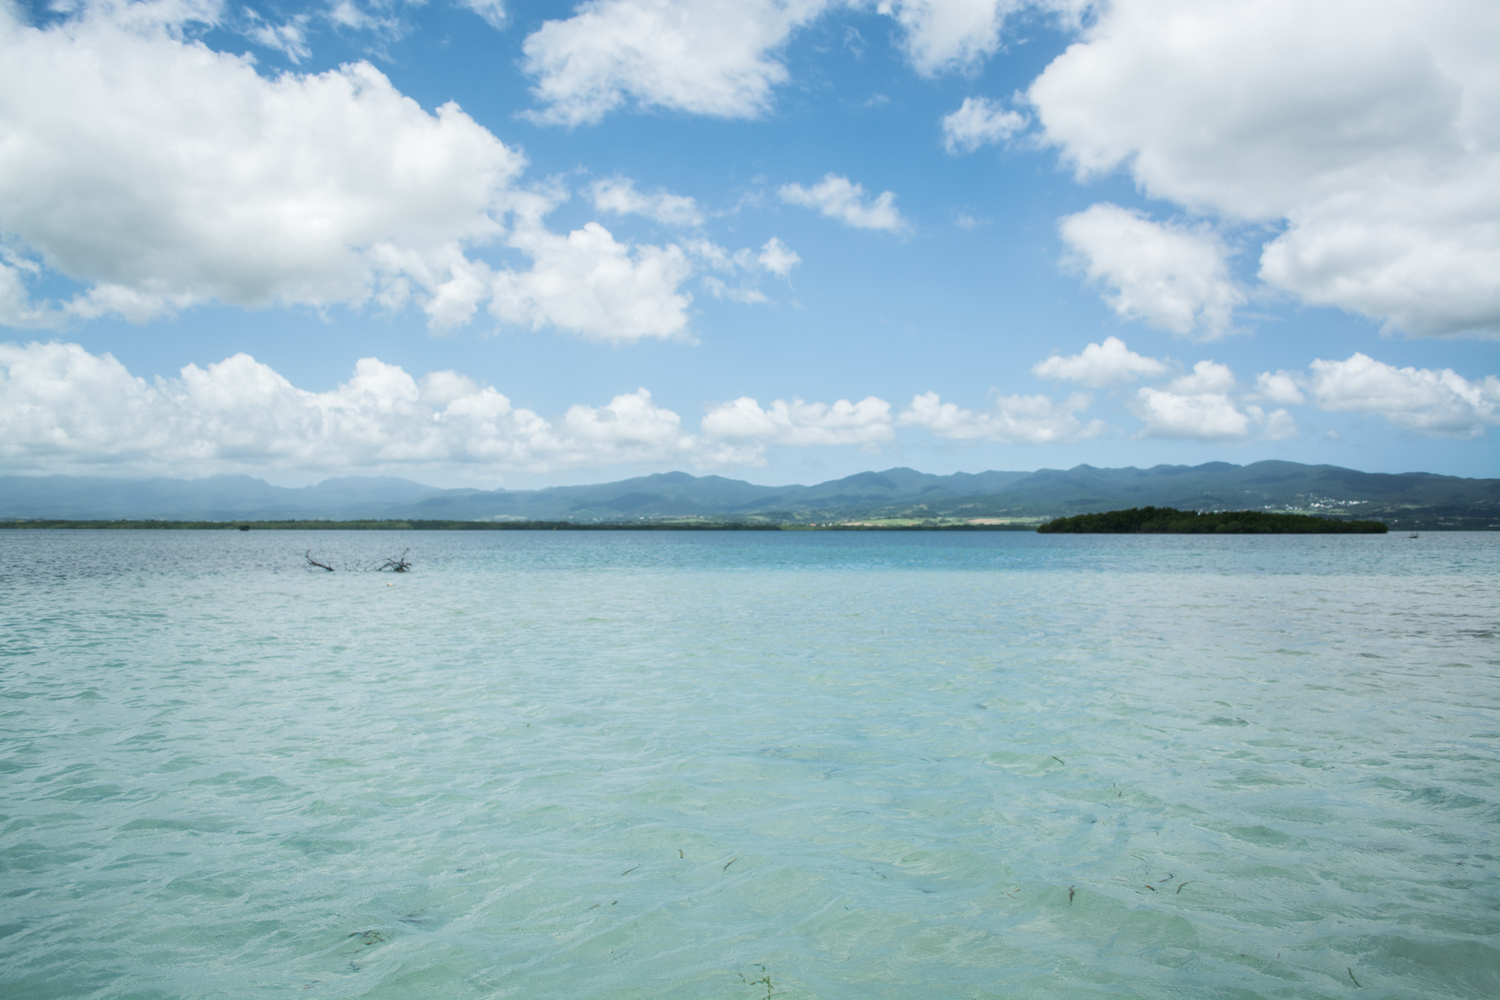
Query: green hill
<point x="1413" y="500"/>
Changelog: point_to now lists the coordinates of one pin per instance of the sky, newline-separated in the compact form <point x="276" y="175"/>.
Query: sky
<point x="501" y="243"/>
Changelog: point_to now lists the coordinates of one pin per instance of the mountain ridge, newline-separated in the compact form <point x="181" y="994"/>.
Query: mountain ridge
<point x="1403" y="499"/>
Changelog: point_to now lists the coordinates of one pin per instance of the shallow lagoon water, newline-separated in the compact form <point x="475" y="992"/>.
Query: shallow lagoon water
<point x="862" y="765"/>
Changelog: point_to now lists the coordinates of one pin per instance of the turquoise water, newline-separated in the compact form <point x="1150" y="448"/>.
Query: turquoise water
<point x="679" y="764"/>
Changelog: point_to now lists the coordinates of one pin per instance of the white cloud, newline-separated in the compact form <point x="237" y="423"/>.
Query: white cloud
<point x="62" y="408"/>
<point x="946" y="35"/>
<point x="629" y="429"/>
<point x="721" y="289"/>
<point x="1435" y="402"/>
<point x="1026" y="419"/>
<point x="795" y="422"/>
<point x="722" y="57"/>
<point x="778" y="258"/>
<point x="1100" y="365"/>
<point x="16" y="307"/>
<point x="1277" y="425"/>
<point x="1279" y="387"/>
<point x="1205" y="416"/>
<point x="590" y="283"/>
<point x="160" y="174"/>
<point x="839" y="198"/>
<point x="1169" y="276"/>
<point x="1365" y="127"/>
<point x="1207" y="377"/>
<point x="493" y="11"/>
<point x="289" y="37"/>
<point x="378" y="18"/>
<point x="775" y="257"/>
<point x="979" y="122"/>
<point x="1198" y="407"/>
<point x="618" y="195"/>
<point x="708" y="57"/>
<point x="949" y="34"/>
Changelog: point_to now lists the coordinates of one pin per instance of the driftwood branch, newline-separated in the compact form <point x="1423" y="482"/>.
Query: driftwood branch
<point x="394" y="564"/>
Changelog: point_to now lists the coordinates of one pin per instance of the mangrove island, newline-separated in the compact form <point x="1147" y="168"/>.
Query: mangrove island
<point x="1170" y="521"/>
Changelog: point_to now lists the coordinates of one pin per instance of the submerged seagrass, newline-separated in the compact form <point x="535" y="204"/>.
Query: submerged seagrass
<point x="1169" y="521"/>
<point x="739" y="764"/>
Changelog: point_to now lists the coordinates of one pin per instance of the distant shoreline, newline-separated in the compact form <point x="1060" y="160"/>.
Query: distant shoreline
<point x="896" y="497"/>
<point x="399" y="525"/>
<point x="1147" y="520"/>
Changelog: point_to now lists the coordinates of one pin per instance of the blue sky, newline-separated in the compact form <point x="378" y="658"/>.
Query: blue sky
<point x="529" y="243"/>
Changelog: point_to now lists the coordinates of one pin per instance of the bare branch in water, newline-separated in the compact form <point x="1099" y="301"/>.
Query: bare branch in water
<point x="394" y="564"/>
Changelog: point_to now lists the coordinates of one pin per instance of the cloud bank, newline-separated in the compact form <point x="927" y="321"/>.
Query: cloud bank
<point x="64" y="409"/>
<point x="160" y="174"/>
<point x="1363" y="129"/>
<point x="1433" y="402"/>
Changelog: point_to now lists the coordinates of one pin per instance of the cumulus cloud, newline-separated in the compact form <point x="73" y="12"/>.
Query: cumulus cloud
<point x="1170" y="276"/>
<point x="839" y="198"/>
<point x="778" y="258"/>
<point x="949" y="34"/>
<point x="160" y="174"/>
<point x="1021" y="419"/>
<point x="708" y="57"/>
<point x="592" y="284"/>
<point x="1100" y="365"/>
<point x="979" y="122"/>
<point x="1279" y="387"/>
<point x="62" y="408"/>
<point x="1207" y="416"/>
<point x="722" y="57"/>
<point x="1364" y="128"/>
<point x="1206" y="377"/>
<point x="1197" y="406"/>
<point x="795" y="422"/>
<point x="1201" y="405"/>
<point x="618" y="195"/>
<point x="1435" y="402"/>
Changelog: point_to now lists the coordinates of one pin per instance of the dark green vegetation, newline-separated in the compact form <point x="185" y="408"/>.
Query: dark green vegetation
<point x="1167" y="521"/>
<point x="1406" y="501"/>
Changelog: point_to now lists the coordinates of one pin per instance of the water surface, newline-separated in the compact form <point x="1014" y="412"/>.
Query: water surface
<point x="864" y="765"/>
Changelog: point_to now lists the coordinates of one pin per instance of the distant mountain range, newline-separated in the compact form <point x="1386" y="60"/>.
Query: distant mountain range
<point x="1412" y="499"/>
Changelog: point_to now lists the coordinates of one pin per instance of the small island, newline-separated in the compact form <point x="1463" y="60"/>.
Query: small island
<point x="1169" y="521"/>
